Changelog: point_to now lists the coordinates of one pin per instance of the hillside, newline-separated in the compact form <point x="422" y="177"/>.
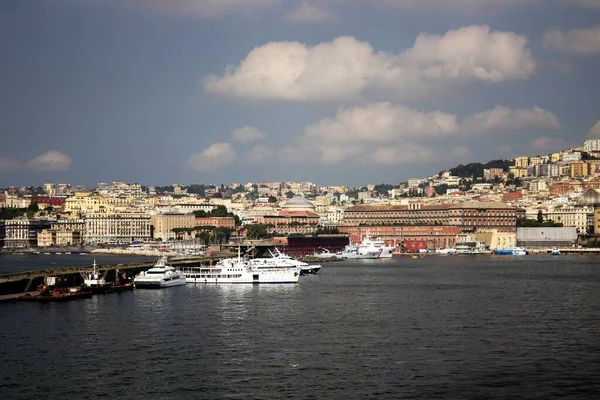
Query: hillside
<point x="473" y="170"/>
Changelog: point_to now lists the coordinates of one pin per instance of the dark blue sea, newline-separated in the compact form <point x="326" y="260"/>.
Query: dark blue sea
<point x="472" y="327"/>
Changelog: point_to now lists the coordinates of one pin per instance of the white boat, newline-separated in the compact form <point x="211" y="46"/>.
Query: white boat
<point x="555" y="251"/>
<point x="472" y="248"/>
<point x="305" y="268"/>
<point x="326" y="255"/>
<point x="241" y="270"/>
<point x="446" y="251"/>
<point x="159" y="276"/>
<point x="368" y="249"/>
<point x="92" y="278"/>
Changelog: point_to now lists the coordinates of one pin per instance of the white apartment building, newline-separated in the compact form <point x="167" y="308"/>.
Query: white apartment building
<point x="571" y="156"/>
<point x="116" y="228"/>
<point x="591" y="145"/>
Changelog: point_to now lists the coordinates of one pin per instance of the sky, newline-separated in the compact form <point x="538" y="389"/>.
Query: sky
<point x="336" y="92"/>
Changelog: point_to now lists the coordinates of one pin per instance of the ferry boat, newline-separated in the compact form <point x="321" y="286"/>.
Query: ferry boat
<point x="511" y="251"/>
<point x="240" y="270"/>
<point x="159" y="276"/>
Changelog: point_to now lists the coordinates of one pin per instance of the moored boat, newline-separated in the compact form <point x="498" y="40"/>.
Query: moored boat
<point x="52" y="294"/>
<point x="159" y="276"/>
<point x="511" y="251"/>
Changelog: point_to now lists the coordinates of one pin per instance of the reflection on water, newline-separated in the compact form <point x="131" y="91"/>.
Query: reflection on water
<point x="437" y="327"/>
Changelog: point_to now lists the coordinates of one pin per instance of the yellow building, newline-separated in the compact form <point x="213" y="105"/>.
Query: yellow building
<point x="86" y="202"/>
<point x="521" y="162"/>
<point x="579" y="170"/>
<point x="555" y="157"/>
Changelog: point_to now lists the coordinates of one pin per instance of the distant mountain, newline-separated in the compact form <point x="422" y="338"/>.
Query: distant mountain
<point x="474" y="170"/>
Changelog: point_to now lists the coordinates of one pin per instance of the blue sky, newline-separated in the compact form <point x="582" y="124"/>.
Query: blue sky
<point x="330" y="91"/>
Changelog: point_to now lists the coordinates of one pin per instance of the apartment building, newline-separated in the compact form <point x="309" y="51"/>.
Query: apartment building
<point x="163" y="224"/>
<point x="116" y="228"/>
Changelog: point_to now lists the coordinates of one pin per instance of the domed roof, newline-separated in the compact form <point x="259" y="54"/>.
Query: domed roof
<point x="298" y="203"/>
<point x="589" y="198"/>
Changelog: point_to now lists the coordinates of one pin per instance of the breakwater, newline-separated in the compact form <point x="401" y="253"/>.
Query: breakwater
<point x="14" y="284"/>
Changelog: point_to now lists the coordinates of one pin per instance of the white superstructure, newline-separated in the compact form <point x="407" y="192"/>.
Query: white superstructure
<point x="305" y="268"/>
<point x="368" y="248"/>
<point x="159" y="276"/>
<point x="239" y="270"/>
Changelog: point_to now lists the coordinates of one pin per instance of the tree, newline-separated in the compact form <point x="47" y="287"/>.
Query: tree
<point x="289" y="194"/>
<point x="220" y="211"/>
<point x="540" y="216"/>
<point x="200" y="214"/>
<point x="33" y="207"/>
<point x="256" y="231"/>
<point x="272" y="199"/>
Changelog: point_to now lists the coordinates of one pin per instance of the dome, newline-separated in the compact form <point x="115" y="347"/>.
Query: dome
<point x="298" y="203"/>
<point x="589" y="198"/>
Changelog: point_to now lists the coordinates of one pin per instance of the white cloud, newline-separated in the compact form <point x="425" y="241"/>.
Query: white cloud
<point x="384" y="134"/>
<point x="347" y="67"/>
<point x="381" y="123"/>
<point x="309" y="12"/>
<point x="506" y="118"/>
<point x="580" y="41"/>
<point x="50" y="161"/>
<point x="247" y="134"/>
<point x="7" y="164"/>
<point x="546" y="144"/>
<point x="594" y="133"/>
<point x="213" y="157"/>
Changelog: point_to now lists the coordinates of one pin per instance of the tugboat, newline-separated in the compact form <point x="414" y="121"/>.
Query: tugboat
<point x="98" y="285"/>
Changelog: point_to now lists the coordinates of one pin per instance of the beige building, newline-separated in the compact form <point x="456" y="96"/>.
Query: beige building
<point x="497" y="240"/>
<point x="85" y="202"/>
<point x="116" y="228"/>
<point x="163" y="224"/>
<point x="521" y="162"/>
<point x="44" y="238"/>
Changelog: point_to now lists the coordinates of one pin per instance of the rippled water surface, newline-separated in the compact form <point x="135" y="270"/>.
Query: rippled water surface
<point x="433" y="327"/>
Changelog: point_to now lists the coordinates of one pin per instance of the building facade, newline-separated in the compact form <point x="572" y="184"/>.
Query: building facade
<point x="163" y="224"/>
<point x="116" y="228"/>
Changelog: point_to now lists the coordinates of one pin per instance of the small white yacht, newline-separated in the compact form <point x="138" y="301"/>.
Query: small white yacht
<point x="159" y="276"/>
<point x="446" y="251"/>
<point x="305" y="268"/>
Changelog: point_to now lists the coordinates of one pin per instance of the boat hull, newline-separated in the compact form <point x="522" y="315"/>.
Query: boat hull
<point x="158" y="284"/>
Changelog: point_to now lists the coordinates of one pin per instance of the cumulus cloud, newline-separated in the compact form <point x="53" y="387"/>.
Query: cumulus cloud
<point x="386" y="134"/>
<point x="506" y="118"/>
<point x="213" y="157"/>
<point x="7" y="164"/>
<point x="381" y="123"/>
<point x="50" y="161"/>
<point x="247" y="134"/>
<point x="347" y="67"/>
<point x="548" y="144"/>
<point x="594" y="133"/>
<point x="579" y="41"/>
<point x="309" y="12"/>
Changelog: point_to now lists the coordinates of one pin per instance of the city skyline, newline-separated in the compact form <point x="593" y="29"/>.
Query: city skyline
<point x="328" y="91"/>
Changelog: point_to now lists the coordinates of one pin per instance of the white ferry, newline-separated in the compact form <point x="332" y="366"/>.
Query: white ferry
<point x="239" y="270"/>
<point x="159" y="276"/>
